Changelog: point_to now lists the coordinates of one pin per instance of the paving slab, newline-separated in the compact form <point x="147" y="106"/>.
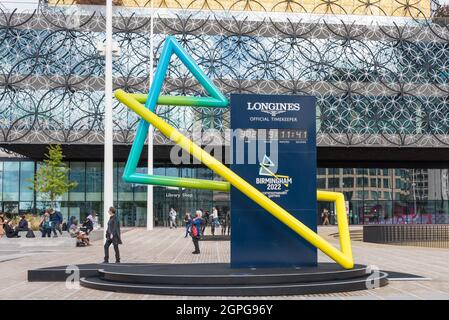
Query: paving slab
<point x="164" y="245"/>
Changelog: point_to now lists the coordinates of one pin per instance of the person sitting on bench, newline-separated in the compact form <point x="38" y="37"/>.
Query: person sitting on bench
<point x="10" y="230"/>
<point x="81" y="237"/>
<point x="23" y="224"/>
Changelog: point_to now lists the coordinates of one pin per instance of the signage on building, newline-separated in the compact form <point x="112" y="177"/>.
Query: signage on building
<point x="274" y="149"/>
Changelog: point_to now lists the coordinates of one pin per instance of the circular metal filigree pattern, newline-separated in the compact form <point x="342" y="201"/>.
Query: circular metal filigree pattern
<point x="378" y="82"/>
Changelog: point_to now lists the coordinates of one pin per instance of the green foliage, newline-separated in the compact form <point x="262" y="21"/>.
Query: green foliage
<point x="52" y="177"/>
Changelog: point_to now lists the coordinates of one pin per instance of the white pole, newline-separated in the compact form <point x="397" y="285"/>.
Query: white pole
<point x="150" y="213"/>
<point x="108" y="189"/>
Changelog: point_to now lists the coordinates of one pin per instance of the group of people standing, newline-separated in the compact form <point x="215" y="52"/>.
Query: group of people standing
<point x="208" y="219"/>
<point x="195" y="225"/>
<point x="51" y="222"/>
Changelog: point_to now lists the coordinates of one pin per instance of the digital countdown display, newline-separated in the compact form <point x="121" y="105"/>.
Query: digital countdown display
<point x="298" y="135"/>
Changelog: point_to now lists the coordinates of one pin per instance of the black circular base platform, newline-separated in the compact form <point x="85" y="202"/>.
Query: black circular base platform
<point x="218" y="279"/>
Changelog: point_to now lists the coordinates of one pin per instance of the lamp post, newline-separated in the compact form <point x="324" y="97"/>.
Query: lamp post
<point x="414" y="193"/>
<point x="108" y="180"/>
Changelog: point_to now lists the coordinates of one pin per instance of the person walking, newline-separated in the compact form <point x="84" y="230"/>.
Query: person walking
<point x="112" y="236"/>
<point x="224" y="223"/>
<point x="228" y="222"/>
<point x="56" y="220"/>
<point x="325" y="217"/>
<point x="172" y="217"/>
<point x="187" y="219"/>
<point x="195" y="231"/>
<point x="204" y="221"/>
<point x="45" y="225"/>
<point x="214" y="220"/>
<point x="2" y="223"/>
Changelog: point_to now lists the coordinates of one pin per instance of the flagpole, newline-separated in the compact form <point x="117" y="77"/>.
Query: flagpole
<point x="150" y="213"/>
<point x="108" y="189"/>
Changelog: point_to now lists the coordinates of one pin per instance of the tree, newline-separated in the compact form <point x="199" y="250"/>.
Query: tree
<point x="52" y="177"/>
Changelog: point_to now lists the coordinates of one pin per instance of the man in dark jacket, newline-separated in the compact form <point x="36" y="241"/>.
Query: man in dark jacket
<point x="23" y="224"/>
<point x="10" y="231"/>
<point x="112" y="236"/>
<point x="195" y="231"/>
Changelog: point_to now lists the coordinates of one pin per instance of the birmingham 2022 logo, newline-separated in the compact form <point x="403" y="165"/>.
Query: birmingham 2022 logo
<point x="276" y="184"/>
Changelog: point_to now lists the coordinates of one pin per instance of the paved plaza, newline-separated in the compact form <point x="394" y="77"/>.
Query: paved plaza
<point x="163" y="245"/>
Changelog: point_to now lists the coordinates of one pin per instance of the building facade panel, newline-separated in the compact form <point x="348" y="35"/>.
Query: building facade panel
<point x="377" y="84"/>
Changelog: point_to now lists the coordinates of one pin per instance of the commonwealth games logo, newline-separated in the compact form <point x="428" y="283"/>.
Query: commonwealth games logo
<point x="273" y="180"/>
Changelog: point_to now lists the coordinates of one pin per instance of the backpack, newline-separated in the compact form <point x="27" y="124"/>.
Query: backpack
<point x="46" y="225"/>
<point x="194" y="230"/>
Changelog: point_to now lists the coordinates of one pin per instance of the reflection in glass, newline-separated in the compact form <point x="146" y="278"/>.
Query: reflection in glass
<point x="11" y="180"/>
<point x="78" y="174"/>
<point x="26" y="174"/>
<point x="94" y="181"/>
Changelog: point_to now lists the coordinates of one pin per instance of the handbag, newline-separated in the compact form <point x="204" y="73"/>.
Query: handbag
<point x="30" y="234"/>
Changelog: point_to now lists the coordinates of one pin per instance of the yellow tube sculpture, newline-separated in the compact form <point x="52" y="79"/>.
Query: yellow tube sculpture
<point x="216" y="99"/>
<point x="342" y="257"/>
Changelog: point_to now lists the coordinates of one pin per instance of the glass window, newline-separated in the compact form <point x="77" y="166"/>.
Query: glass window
<point x="348" y="182"/>
<point x="11" y="180"/>
<point x="125" y="190"/>
<point x="373" y="183"/>
<point x="321" y="183"/>
<point x="334" y="183"/>
<point x="11" y="208"/>
<point x="140" y="190"/>
<point x="26" y="174"/>
<point x="94" y="181"/>
<point x="360" y="182"/>
<point x="25" y="207"/>
<point x="78" y="174"/>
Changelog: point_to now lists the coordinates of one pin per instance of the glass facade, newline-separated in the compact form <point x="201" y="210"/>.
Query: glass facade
<point x="389" y="195"/>
<point x="373" y="195"/>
